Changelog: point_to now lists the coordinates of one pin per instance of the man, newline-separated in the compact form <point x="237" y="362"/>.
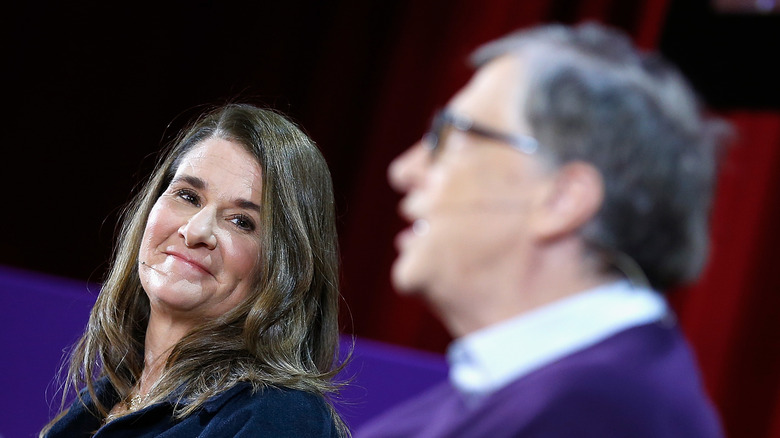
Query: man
<point x="557" y="192"/>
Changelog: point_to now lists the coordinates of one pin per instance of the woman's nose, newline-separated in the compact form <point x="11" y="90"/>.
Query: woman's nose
<point x="406" y="170"/>
<point x="199" y="229"/>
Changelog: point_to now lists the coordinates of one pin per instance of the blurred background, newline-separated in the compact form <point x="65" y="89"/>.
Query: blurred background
<point x="94" y="89"/>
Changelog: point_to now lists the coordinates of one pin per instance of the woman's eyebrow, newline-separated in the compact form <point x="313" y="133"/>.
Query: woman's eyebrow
<point x="194" y="181"/>
<point x="200" y="184"/>
<point x="247" y="205"/>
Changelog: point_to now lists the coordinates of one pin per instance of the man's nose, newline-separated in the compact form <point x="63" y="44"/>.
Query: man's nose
<point x="407" y="169"/>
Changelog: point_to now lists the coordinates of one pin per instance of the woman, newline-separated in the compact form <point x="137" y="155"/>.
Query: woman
<point x="219" y="314"/>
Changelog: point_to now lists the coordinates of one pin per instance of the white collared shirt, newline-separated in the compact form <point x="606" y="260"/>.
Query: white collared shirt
<point x="488" y="359"/>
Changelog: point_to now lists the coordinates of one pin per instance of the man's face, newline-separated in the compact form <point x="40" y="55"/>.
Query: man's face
<point x="468" y="205"/>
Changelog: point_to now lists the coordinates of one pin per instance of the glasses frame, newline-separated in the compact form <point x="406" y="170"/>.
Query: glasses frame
<point x="443" y="118"/>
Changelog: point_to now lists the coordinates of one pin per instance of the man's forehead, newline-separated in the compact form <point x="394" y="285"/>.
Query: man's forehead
<point x="495" y="92"/>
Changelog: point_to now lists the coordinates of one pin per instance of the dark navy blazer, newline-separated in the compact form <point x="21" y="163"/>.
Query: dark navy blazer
<point x="237" y="412"/>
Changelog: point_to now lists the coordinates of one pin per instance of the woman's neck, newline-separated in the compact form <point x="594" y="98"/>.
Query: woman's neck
<point x="162" y="334"/>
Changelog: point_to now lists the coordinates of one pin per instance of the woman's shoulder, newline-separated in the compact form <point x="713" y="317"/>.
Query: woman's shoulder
<point x="283" y="411"/>
<point x="245" y="395"/>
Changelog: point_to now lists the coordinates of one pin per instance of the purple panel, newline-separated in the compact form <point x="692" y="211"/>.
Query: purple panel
<point x="383" y="375"/>
<point x="41" y="317"/>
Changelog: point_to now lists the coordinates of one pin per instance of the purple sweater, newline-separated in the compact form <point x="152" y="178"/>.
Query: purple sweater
<point x="641" y="382"/>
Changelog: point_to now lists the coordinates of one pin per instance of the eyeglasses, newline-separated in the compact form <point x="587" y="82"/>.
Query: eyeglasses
<point x="434" y="136"/>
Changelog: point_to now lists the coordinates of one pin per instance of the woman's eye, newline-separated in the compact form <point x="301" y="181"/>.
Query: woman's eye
<point x="189" y="196"/>
<point x="243" y="222"/>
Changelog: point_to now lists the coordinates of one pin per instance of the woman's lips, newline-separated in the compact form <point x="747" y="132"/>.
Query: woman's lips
<point x="189" y="262"/>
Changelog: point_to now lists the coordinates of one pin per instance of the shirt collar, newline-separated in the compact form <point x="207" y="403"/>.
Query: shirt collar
<point x="486" y="360"/>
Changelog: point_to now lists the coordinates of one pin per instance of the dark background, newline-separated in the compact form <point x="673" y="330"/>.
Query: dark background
<point x="94" y="89"/>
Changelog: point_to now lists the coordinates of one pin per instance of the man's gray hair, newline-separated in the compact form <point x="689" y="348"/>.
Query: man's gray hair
<point x="593" y="97"/>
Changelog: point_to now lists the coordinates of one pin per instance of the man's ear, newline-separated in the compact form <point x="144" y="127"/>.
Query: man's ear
<point x="574" y="196"/>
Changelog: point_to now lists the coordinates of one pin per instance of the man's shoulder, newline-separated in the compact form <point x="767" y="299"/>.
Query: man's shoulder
<point x="650" y="359"/>
<point x="644" y="377"/>
<point x="640" y="378"/>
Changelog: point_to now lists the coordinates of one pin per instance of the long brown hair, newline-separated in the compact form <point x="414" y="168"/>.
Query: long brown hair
<point x="285" y="333"/>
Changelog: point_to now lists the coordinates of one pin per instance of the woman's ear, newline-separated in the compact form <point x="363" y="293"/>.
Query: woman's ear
<point x="573" y="197"/>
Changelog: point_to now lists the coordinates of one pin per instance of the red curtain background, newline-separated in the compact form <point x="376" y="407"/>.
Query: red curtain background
<point x="730" y="316"/>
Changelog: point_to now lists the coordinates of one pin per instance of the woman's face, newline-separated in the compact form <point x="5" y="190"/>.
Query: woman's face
<point x="202" y="241"/>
